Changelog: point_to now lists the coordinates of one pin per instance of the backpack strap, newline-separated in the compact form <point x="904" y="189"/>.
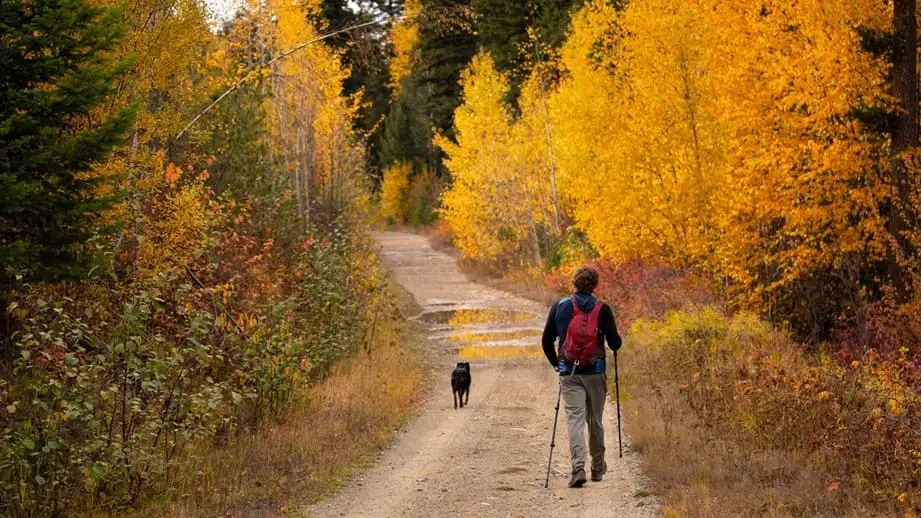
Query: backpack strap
<point x="576" y="309"/>
<point x="575" y="306"/>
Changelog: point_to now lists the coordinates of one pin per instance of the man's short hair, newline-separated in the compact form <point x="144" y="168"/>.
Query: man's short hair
<point x="585" y="279"/>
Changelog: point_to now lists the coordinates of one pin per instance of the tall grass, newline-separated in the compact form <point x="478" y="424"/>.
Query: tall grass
<point x="734" y="419"/>
<point x="344" y="421"/>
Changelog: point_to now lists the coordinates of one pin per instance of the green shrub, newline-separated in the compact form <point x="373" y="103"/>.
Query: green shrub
<point x="111" y="385"/>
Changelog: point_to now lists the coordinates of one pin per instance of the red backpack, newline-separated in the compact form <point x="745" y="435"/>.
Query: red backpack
<point x="581" y="345"/>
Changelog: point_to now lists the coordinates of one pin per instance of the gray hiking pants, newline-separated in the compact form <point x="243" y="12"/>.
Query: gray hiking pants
<point x="584" y="396"/>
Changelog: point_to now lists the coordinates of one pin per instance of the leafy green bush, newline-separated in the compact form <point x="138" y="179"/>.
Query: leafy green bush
<point x="98" y="411"/>
<point x="110" y="385"/>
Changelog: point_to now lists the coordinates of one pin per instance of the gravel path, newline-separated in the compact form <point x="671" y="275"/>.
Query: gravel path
<point x="488" y="459"/>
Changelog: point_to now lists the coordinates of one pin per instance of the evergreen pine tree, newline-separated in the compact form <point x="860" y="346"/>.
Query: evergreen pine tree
<point x="502" y="30"/>
<point x="55" y="72"/>
<point x="366" y="53"/>
<point x="449" y="35"/>
<point x="552" y="19"/>
<point x="398" y="139"/>
<point x="446" y="45"/>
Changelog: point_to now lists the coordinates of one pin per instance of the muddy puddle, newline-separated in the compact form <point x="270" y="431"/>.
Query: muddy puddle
<point x="494" y="336"/>
<point x="458" y="318"/>
<point x="501" y="352"/>
<point x="487" y="333"/>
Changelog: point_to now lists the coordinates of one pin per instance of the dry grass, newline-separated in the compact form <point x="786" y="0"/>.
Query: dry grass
<point x="720" y="438"/>
<point x="697" y="474"/>
<point x="342" y="423"/>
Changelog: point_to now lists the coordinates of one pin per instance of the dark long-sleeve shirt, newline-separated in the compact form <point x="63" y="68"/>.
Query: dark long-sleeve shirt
<point x="558" y="322"/>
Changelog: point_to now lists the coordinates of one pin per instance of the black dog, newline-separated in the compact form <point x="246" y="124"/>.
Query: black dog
<point x="460" y="383"/>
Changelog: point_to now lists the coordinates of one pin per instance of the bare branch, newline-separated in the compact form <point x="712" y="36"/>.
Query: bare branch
<point x="274" y="60"/>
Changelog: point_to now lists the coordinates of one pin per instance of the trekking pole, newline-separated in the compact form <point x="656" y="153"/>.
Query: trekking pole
<point x="556" y="415"/>
<point x="620" y="444"/>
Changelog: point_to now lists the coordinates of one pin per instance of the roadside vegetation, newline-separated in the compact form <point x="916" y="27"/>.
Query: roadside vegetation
<point x="337" y="425"/>
<point x="735" y="417"/>
<point x="193" y="320"/>
<point x="725" y="406"/>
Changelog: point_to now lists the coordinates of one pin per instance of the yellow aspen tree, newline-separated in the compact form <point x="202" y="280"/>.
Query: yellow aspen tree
<point x="641" y="150"/>
<point x="168" y="41"/>
<point x="170" y="45"/>
<point x="405" y="37"/>
<point x="803" y="188"/>
<point x="395" y="192"/>
<point x="311" y="121"/>
<point x="486" y="205"/>
<point x="533" y="159"/>
<point x="679" y="142"/>
<point x="583" y="112"/>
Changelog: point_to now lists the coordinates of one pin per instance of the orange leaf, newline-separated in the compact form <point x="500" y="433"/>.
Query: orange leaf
<point x="173" y="173"/>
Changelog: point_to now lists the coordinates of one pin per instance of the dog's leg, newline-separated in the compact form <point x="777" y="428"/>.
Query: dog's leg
<point x="467" y="396"/>
<point x="454" y="392"/>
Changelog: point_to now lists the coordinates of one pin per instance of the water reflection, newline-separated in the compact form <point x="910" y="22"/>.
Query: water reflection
<point x="501" y="352"/>
<point x="487" y="333"/>
<point x="494" y="336"/>
<point x="471" y="317"/>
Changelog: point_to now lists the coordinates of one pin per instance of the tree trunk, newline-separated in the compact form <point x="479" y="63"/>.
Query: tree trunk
<point x="548" y="127"/>
<point x="905" y="133"/>
<point x="536" y="242"/>
<point x="905" y="75"/>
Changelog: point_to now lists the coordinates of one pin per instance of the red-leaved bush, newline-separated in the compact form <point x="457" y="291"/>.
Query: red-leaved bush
<point x="638" y="290"/>
<point x="883" y="334"/>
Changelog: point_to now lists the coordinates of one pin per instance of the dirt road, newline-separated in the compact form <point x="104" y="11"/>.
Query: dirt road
<point x="490" y="458"/>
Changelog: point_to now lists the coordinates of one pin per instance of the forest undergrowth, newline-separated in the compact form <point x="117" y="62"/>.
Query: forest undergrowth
<point x="733" y="416"/>
<point x="338" y="426"/>
<point x="193" y="318"/>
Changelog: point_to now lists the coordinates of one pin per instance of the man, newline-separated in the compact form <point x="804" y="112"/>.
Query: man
<point x="583" y="383"/>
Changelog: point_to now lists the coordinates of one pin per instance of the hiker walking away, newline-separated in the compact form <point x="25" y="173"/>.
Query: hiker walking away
<point x="573" y="342"/>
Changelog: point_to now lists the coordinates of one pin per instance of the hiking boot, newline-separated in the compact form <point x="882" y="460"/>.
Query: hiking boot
<point x="578" y="479"/>
<point x="598" y="475"/>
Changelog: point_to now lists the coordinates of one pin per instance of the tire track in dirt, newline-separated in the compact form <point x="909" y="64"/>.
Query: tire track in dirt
<point x="488" y="459"/>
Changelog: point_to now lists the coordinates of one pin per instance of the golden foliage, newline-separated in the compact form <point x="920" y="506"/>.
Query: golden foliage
<point x="802" y="189"/>
<point x="639" y="152"/>
<point x="309" y="119"/>
<point x="179" y="226"/>
<point x="405" y="37"/>
<point x="395" y="191"/>
<point x="500" y="191"/>
<point x="477" y="204"/>
<point x="712" y="134"/>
